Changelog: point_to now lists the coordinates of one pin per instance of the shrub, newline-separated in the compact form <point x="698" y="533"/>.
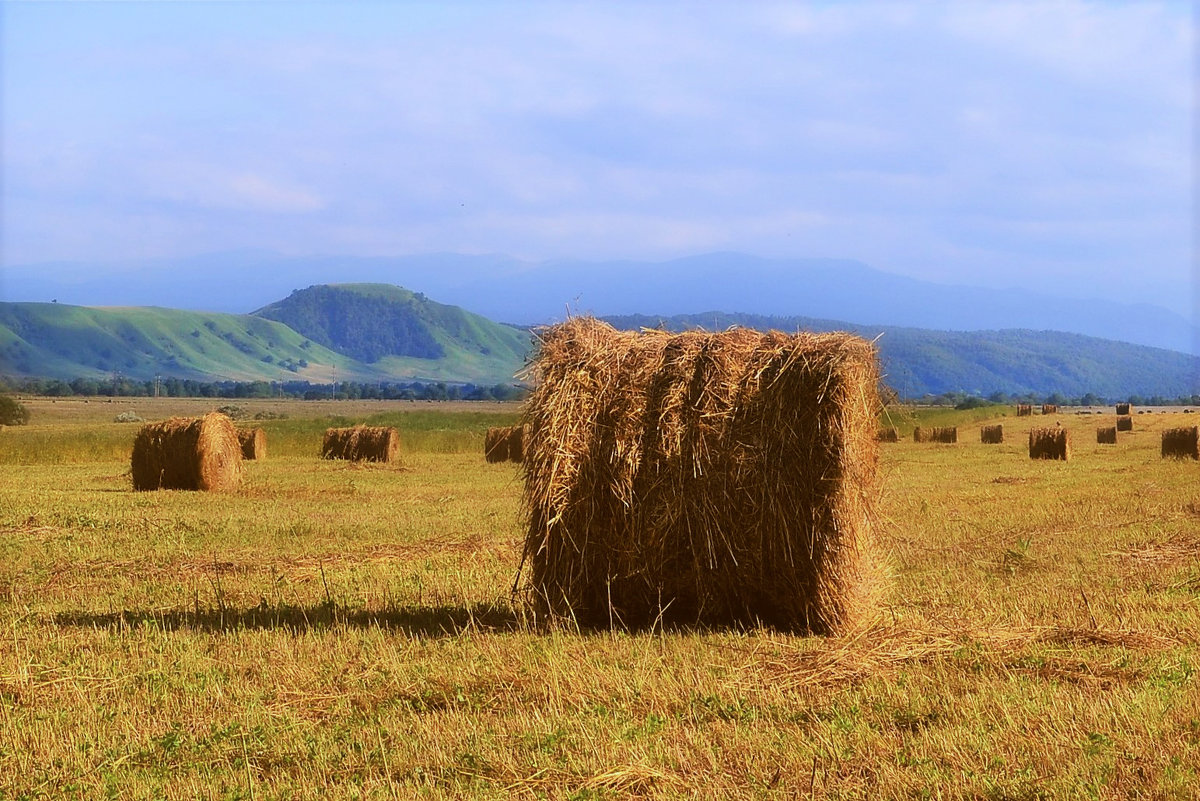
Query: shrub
<point x="12" y="412"/>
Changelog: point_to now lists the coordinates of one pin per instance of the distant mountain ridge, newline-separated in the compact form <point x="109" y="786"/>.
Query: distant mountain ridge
<point x="917" y="361"/>
<point x="373" y="332"/>
<point x="513" y="291"/>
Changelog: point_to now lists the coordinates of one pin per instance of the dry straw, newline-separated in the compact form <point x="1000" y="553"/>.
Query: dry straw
<point x="1125" y="423"/>
<point x="188" y="453"/>
<point x="361" y="444"/>
<point x="1049" y="443"/>
<point x="1124" y="408"/>
<point x="991" y="435"/>
<point x="1024" y="410"/>
<point x="253" y="442"/>
<point x="1181" y="443"/>
<point x="1106" y="435"/>
<point x="889" y="434"/>
<point x="1049" y="408"/>
<point x="701" y="478"/>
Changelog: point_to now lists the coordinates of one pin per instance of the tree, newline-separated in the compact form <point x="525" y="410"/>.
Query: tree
<point x="12" y="412"/>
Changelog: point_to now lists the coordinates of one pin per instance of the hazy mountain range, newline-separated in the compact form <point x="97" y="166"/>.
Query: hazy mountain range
<point x="372" y="332"/>
<point x="512" y="291"/>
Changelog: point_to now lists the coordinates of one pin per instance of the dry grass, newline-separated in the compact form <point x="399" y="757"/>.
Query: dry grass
<point x="340" y="630"/>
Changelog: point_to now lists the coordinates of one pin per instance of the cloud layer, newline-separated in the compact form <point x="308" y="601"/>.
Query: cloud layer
<point x="993" y="143"/>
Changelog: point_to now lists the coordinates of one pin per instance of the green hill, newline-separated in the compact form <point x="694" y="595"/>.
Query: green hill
<point x="919" y="361"/>
<point x="403" y="333"/>
<point x="55" y="340"/>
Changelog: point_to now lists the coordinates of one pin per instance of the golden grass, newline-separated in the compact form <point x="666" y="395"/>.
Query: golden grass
<point x="331" y="629"/>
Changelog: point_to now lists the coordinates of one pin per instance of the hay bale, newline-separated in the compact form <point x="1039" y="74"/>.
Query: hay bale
<point x="200" y="453"/>
<point x="361" y="444"/>
<point x="1125" y="423"/>
<point x="253" y="442"/>
<point x="922" y="434"/>
<point x="944" y="434"/>
<point x="1106" y="435"/>
<point x="495" y="444"/>
<point x="1050" y="443"/>
<point x="1181" y="443"/>
<point x="889" y="434"/>
<point x="1049" y="408"/>
<point x="1123" y="408"/>
<point x="701" y="478"/>
<point x="992" y="435"/>
<point x="1024" y="410"/>
<point x="516" y="444"/>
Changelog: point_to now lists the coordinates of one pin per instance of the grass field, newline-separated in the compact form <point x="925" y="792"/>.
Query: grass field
<point x="333" y="630"/>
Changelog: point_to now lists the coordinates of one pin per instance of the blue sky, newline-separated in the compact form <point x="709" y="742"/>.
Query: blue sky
<point x="1033" y="144"/>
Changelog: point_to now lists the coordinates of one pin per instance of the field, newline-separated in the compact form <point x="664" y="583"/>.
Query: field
<point x="332" y="630"/>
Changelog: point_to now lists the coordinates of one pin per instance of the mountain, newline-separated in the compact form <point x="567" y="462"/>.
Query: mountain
<point x="917" y="361"/>
<point x="397" y="331"/>
<point x="56" y="340"/>
<point x="502" y="288"/>
<point x="372" y="332"/>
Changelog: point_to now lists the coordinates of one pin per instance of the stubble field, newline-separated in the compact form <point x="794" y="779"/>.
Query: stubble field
<point x="335" y="630"/>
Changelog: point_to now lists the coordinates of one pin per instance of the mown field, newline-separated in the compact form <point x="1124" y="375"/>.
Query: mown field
<point x="343" y="631"/>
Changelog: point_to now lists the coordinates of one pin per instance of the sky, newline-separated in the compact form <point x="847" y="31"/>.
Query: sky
<point x="1036" y="144"/>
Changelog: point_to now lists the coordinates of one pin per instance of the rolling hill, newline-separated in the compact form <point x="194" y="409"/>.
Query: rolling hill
<point x="376" y="332"/>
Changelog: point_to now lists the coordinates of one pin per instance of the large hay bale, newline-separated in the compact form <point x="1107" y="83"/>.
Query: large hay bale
<point x="1123" y="408"/>
<point x="495" y="444"/>
<point x="188" y="453"/>
<point x="1050" y="443"/>
<point x="1024" y="410"/>
<point x="1049" y="408"/>
<point x="1181" y="443"/>
<point x="888" y="434"/>
<point x="992" y="435"/>
<point x="1125" y="423"/>
<point x="361" y="444"/>
<point x="253" y="442"/>
<point x="1106" y="435"/>
<point x="701" y="478"/>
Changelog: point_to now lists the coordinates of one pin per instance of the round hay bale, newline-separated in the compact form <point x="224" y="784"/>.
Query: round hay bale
<point x="516" y="444"/>
<point x="1050" y="443"/>
<point x="495" y="444"/>
<point x="701" y="478"/>
<point x="197" y="453"/>
<point x="362" y="444"/>
<point x="254" y="443"/>
<point x="1106" y="435"/>
<point x="992" y="435"/>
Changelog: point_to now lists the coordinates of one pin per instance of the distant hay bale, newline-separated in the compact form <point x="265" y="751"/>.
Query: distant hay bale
<point x="495" y="444"/>
<point x="701" y="478"/>
<point x="1024" y="410"/>
<point x="200" y="453"/>
<point x="1050" y="443"/>
<point x="504" y="444"/>
<point x="1106" y="435"/>
<point x="922" y="435"/>
<point x="1181" y="443"/>
<point x="947" y="434"/>
<point x="992" y="435"/>
<point x="1125" y="423"/>
<point x="1049" y="408"/>
<point x="361" y="444"/>
<point x="889" y="434"/>
<point x="1123" y="408"/>
<point x="253" y="442"/>
<point x="516" y="444"/>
